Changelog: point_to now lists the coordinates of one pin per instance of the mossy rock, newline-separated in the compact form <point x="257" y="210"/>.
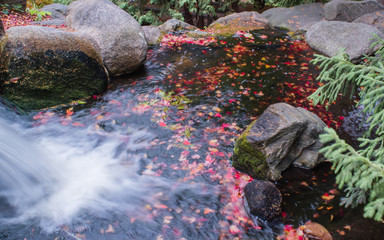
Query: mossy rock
<point x="281" y="136"/>
<point x="245" y="21"/>
<point x="247" y="159"/>
<point x="43" y="67"/>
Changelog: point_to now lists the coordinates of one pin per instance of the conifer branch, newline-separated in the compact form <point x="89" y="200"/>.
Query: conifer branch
<point x="360" y="172"/>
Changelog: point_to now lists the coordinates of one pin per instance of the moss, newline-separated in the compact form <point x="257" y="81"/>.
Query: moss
<point x="50" y="78"/>
<point x="248" y="159"/>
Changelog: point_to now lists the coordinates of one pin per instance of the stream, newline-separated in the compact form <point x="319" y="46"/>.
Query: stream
<point x="151" y="158"/>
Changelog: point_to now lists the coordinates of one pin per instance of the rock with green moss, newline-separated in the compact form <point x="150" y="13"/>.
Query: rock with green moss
<point x="153" y="34"/>
<point x="282" y="135"/>
<point x="173" y="25"/>
<point x="42" y="67"/>
<point x="244" y="21"/>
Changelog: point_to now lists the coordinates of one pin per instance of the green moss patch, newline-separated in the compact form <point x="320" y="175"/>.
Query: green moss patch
<point x="247" y="159"/>
<point x="50" y="78"/>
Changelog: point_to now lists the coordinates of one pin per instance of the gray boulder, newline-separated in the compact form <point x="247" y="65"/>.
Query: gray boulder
<point x="342" y="10"/>
<point x="118" y="35"/>
<point x="264" y="199"/>
<point x="152" y="34"/>
<point x="43" y="67"/>
<point x="51" y="22"/>
<point x="375" y="19"/>
<point x="58" y="11"/>
<point x="282" y="135"/>
<point x="330" y="37"/>
<point x="295" y="18"/>
<point x="173" y="25"/>
<point x="244" y="21"/>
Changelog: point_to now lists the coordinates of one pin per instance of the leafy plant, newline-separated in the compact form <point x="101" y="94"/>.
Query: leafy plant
<point x="38" y="14"/>
<point x="65" y="2"/>
<point x="291" y="3"/>
<point x="6" y="8"/>
<point x="360" y="171"/>
<point x="38" y="3"/>
<point x="192" y="11"/>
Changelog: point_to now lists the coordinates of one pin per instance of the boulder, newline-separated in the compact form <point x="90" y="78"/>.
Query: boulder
<point x="118" y="35"/>
<point x="375" y="19"/>
<point x="315" y="231"/>
<point x="244" y="21"/>
<point x="173" y="25"/>
<point x="295" y="18"/>
<point x="282" y="135"/>
<point x="51" y="22"/>
<point x="58" y="11"/>
<point x="263" y="198"/>
<point x="342" y="10"/>
<point x="43" y="67"/>
<point x="330" y="37"/>
<point x="152" y="34"/>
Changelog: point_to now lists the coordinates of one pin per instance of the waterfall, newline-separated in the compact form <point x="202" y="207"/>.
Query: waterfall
<point x="56" y="174"/>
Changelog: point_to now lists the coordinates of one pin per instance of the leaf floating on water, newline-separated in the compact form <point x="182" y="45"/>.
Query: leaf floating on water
<point x="327" y="197"/>
<point x="110" y="229"/>
<point x="208" y="210"/>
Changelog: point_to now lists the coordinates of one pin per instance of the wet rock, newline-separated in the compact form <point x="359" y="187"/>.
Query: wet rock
<point x="244" y="21"/>
<point x="342" y="10"/>
<point x="58" y="11"/>
<point x="375" y="19"/>
<point x="42" y="67"/>
<point x="173" y="25"/>
<point x="315" y="231"/>
<point x="295" y="18"/>
<point x="118" y="35"/>
<point x="263" y="198"/>
<point x="330" y="37"/>
<point x="282" y="135"/>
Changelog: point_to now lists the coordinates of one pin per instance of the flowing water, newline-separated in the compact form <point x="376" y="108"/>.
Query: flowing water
<point x="151" y="158"/>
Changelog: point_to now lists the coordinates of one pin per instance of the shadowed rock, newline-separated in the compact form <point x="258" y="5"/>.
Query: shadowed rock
<point x="43" y="67"/>
<point x="263" y="198"/>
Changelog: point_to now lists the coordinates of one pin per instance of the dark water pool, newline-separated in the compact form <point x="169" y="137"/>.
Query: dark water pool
<point x="152" y="156"/>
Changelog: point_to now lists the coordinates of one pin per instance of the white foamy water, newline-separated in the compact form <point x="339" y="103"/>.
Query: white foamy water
<point x="56" y="175"/>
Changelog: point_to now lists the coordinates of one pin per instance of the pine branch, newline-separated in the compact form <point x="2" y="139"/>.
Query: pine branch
<point x="339" y="76"/>
<point x="355" y="170"/>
